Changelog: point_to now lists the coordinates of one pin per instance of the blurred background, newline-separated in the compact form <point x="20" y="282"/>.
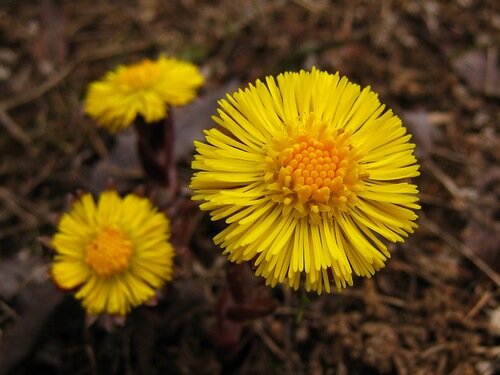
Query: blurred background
<point x="433" y="310"/>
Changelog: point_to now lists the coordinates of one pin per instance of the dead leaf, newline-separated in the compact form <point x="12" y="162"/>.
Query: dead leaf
<point x="480" y="69"/>
<point x="191" y="120"/>
<point x="122" y="165"/>
<point x="35" y="299"/>
<point x="16" y="273"/>
<point x="425" y="133"/>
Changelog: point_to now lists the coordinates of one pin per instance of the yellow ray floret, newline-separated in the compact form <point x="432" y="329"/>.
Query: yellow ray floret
<point x="311" y="175"/>
<point x="143" y="89"/>
<point x="115" y="252"/>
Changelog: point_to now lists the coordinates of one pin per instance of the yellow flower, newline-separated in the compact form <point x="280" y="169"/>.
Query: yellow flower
<point x="310" y="173"/>
<point x="116" y="252"/>
<point x="146" y="88"/>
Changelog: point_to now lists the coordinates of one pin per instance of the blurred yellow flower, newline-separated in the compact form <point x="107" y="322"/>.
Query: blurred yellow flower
<point x="116" y="252"/>
<point x="146" y="88"/>
<point x="310" y="173"/>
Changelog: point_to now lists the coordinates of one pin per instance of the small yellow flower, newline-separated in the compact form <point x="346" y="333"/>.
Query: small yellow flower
<point x="146" y="88"/>
<point x="116" y="252"/>
<point x="310" y="173"/>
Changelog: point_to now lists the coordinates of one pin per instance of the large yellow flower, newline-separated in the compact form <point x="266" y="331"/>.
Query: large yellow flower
<point x="310" y="173"/>
<point x="116" y="252"/>
<point x="146" y="88"/>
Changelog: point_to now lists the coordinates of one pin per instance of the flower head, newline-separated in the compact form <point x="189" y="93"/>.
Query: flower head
<point x="116" y="252"/>
<point x="310" y="174"/>
<point x="146" y="88"/>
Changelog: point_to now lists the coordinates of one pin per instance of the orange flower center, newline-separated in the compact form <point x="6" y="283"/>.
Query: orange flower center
<point x="109" y="253"/>
<point x="139" y="76"/>
<point x="315" y="170"/>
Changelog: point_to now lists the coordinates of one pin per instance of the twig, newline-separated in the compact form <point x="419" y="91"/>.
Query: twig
<point x="288" y="333"/>
<point x="14" y="129"/>
<point x="15" y="230"/>
<point x="9" y="310"/>
<point x="437" y="348"/>
<point x="478" y="306"/>
<point x="463" y="196"/>
<point x="462" y="249"/>
<point x="489" y="351"/>
<point x="62" y="73"/>
<point x="491" y="71"/>
<point x="458" y="193"/>
<point x="389" y="300"/>
<point x="89" y="350"/>
<point x="312" y="6"/>
<point x="293" y="311"/>
<point x="96" y="141"/>
<point x="268" y="341"/>
<point x="113" y="50"/>
<point x="39" y="90"/>
<point x="9" y="200"/>
<point x="46" y="170"/>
